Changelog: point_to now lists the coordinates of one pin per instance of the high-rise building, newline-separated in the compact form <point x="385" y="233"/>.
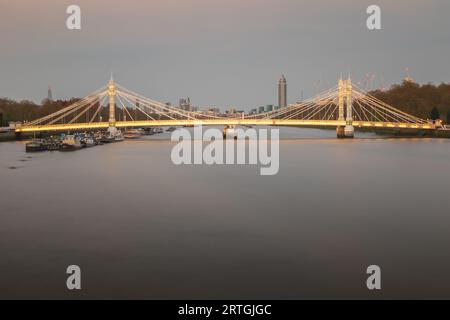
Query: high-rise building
<point x="282" y="92"/>
<point x="49" y="94"/>
<point x="231" y="111"/>
<point x="213" y="111"/>
<point x="185" y="104"/>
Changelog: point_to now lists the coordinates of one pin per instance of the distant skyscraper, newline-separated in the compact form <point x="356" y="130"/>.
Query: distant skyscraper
<point x="282" y="92"/>
<point x="49" y="94"/>
<point x="185" y="104"/>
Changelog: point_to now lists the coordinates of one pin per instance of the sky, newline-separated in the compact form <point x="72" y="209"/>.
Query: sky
<point x="225" y="53"/>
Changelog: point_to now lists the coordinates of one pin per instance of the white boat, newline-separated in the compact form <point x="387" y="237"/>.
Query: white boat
<point x="112" y="135"/>
<point x="87" y="142"/>
<point x="70" y="143"/>
<point x="118" y="136"/>
<point x="133" y="134"/>
<point x="229" y="132"/>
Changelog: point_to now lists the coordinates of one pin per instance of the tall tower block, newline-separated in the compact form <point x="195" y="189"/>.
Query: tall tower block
<point x="49" y="94"/>
<point x="282" y="92"/>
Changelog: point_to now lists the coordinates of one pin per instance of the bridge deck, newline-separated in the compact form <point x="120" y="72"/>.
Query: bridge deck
<point x="223" y="122"/>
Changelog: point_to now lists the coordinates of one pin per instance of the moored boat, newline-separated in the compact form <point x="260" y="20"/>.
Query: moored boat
<point x="70" y="143"/>
<point x="36" y="145"/>
<point x="133" y="134"/>
<point x="229" y="132"/>
<point x="148" y="131"/>
<point x="52" y="144"/>
<point x="107" y="138"/>
<point x="112" y="135"/>
<point x="118" y="136"/>
<point x="87" y="142"/>
<point x="98" y="138"/>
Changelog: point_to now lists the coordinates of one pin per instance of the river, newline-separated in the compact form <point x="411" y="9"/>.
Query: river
<point x="141" y="227"/>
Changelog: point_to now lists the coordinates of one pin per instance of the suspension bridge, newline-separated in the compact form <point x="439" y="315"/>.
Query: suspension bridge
<point x="344" y="107"/>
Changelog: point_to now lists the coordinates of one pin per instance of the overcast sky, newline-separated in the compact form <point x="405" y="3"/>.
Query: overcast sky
<point x="218" y="52"/>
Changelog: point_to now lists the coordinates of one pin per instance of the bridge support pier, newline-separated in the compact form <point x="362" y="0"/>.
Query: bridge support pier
<point x="349" y="131"/>
<point x="340" y="132"/>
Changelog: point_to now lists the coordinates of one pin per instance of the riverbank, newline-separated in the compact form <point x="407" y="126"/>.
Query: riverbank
<point x="7" y="136"/>
<point x="400" y="133"/>
<point x="413" y="133"/>
<point x="11" y="136"/>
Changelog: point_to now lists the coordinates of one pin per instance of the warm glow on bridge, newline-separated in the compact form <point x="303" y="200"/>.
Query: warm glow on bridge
<point x="343" y="107"/>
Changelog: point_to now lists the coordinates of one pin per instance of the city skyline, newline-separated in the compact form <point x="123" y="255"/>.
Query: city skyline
<point x="208" y="57"/>
<point x="187" y="105"/>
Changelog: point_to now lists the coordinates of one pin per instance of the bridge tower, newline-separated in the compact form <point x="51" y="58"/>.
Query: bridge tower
<point x="112" y="106"/>
<point x="349" y="131"/>
<point x="341" y="93"/>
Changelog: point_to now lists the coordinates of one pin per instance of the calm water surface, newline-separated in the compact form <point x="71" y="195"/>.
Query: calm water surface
<point x="141" y="227"/>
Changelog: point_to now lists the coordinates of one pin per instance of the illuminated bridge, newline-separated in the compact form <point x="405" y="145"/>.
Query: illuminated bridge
<point x="344" y="107"/>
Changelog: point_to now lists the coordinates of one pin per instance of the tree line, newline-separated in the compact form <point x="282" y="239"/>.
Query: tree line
<point x="424" y="101"/>
<point x="25" y="110"/>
